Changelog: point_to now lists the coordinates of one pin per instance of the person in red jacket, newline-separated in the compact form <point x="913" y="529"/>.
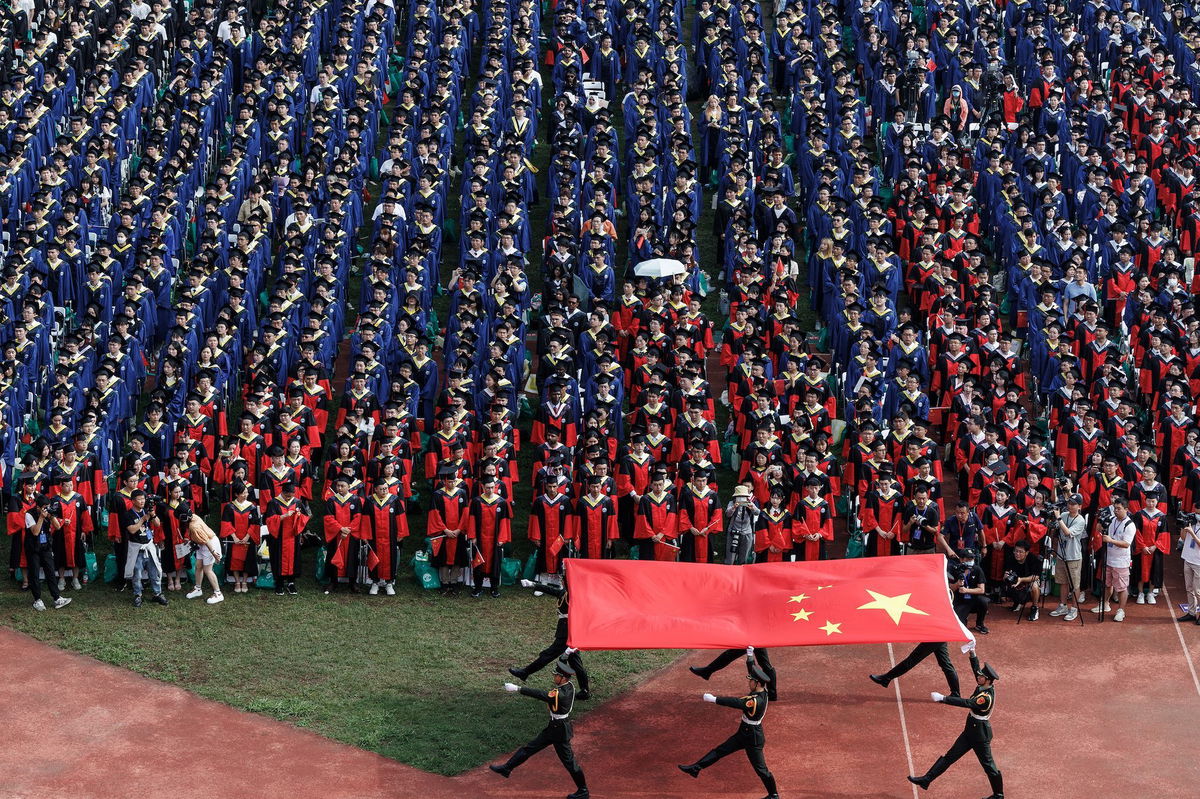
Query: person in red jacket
<point x="241" y="526"/>
<point x="385" y="526"/>
<point x="489" y="527"/>
<point x="286" y="517"/>
<point x="700" y="517"/>
<point x="657" y="521"/>
<point x="343" y="531"/>
<point x="812" y="525"/>
<point x="1149" y="547"/>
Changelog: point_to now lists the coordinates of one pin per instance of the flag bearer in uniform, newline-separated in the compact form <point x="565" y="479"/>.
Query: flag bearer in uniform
<point x="558" y="647"/>
<point x="749" y="736"/>
<point x="976" y="735"/>
<point x="557" y="733"/>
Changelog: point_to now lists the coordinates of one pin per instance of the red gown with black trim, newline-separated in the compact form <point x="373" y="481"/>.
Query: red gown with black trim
<point x="701" y="510"/>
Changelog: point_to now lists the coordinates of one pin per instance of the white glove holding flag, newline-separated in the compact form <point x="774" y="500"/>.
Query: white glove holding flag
<point x="970" y="647"/>
<point x="527" y="583"/>
<point x="512" y="688"/>
<point x="750" y="651"/>
<point x="709" y="698"/>
<point x="937" y="697"/>
<point x="570" y="650"/>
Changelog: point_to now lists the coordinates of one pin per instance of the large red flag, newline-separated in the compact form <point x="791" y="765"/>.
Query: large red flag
<point x="628" y="604"/>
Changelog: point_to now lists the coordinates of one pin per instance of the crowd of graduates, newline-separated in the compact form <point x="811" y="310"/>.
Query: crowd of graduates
<point x="987" y="207"/>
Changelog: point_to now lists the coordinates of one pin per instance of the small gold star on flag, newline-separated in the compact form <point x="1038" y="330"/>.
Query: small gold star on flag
<point x="802" y="615"/>
<point x="831" y="627"/>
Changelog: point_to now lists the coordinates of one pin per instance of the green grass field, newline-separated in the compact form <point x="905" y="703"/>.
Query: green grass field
<point x="414" y="677"/>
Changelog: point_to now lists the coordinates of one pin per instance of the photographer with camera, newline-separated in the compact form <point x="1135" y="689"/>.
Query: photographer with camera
<point x="141" y="558"/>
<point x="971" y="591"/>
<point x="1022" y="576"/>
<point x="40" y="524"/>
<point x="741" y="516"/>
<point x="921" y="520"/>
<point x="1189" y="543"/>
<point x="1069" y="528"/>
<point x="1119" y="536"/>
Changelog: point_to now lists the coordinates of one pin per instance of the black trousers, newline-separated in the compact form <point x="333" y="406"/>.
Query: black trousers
<point x="40" y="555"/>
<point x="978" y="737"/>
<point x="761" y="656"/>
<point x="922" y="651"/>
<point x="557" y="734"/>
<point x="750" y="738"/>
<point x="120" y="549"/>
<point x="967" y="604"/>
<point x="553" y="652"/>
<point x="16" y="544"/>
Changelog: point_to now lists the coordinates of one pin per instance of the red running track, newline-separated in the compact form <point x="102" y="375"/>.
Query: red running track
<point x="1100" y="711"/>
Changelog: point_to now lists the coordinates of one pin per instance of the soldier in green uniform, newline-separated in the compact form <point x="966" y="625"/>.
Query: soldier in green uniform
<point x="977" y="734"/>
<point x="749" y="735"/>
<point x="557" y="733"/>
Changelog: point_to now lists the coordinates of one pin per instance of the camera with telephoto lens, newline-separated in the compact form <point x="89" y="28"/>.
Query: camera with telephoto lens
<point x="955" y="569"/>
<point x="1188" y="519"/>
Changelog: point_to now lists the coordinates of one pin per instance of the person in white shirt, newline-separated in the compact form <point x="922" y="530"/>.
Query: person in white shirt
<point x="1189" y="540"/>
<point x="1119" y="538"/>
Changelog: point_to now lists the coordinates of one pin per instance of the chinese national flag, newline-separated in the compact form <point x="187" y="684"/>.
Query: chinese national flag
<point x="628" y="604"/>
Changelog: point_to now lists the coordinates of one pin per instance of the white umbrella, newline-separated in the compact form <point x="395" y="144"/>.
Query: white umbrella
<point x="659" y="267"/>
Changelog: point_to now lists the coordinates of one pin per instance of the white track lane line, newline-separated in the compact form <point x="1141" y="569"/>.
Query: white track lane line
<point x="1171" y="608"/>
<point x="904" y="724"/>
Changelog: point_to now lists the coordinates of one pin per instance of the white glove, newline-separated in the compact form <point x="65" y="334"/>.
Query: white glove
<point x="527" y="583"/>
<point x="570" y="650"/>
<point x="512" y="688"/>
<point x="937" y="697"/>
<point x="709" y="698"/>
<point x="537" y="593"/>
<point x="971" y="645"/>
<point x="750" y="651"/>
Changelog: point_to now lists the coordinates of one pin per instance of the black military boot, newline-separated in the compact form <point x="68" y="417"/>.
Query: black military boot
<point x="692" y="771"/>
<point x="699" y="672"/>
<point x="880" y="679"/>
<point x="503" y="771"/>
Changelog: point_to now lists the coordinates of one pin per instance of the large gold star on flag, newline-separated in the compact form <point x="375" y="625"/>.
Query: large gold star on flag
<point x="894" y="606"/>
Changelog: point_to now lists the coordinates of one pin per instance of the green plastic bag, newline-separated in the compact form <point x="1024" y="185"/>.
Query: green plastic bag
<point x="321" y="578"/>
<point x="426" y="573"/>
<point x="90" y="568"/>
<point x="854" y="547"/>
<point x="529" y="572"/>
<point x="265" y="580"/>
<point x="19" y="575"/>
<point x="510" y="571"/>
<point x="110" y="568"/>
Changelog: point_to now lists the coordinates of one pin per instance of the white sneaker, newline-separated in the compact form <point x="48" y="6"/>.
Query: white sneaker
<point x="374" y="590"/>
<point x="62" y="583"/>
<point x="1141" y="599"/>
<point x="75" y="586"/>
<point x="1151" y="600"/>
<point x="215" y="598"/>
<point x="1154" y="592"/>
<point x="389" y="589"/>
<point x="1061" y="610"/>
<point x="39" y="605"/>
<point x="1119" y="615"/>
<point x="62" y="602"/>
<point x="1072" y="615"/>
<point x="195" y="593"/>
<point x="1106" y="608"/>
